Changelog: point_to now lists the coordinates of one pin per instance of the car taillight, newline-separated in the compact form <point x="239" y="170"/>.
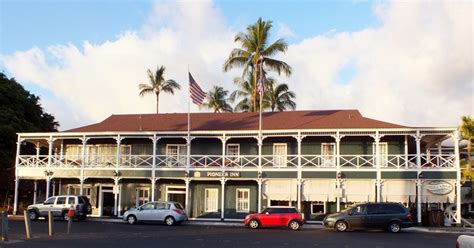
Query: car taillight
<point x="409" y="217"/>
<point x="179" y="211"/>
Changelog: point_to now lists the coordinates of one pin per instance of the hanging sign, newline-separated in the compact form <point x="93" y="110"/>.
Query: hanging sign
<point x="439" y="187"/>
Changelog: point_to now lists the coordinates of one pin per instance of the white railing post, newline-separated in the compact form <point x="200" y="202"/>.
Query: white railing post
<point x="116" y="174"/>
<point x="48" y="169"/>
<point x="259" y="144"/>
<point x="455" y="137"/>
<point x="299" y="179"/>
<point x="378" y="182"/>
<point x="187" y="180"/>
<point x="337" y="138"/>
<point x="405" y="149"/>
<point x="188" y="152"/>
<point x="81" y="179"/>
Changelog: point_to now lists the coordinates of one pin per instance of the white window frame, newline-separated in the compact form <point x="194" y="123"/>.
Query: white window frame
<point x="234" y="157"/>
<point x="208" y="208"/>
<point x="242" y="201"/>
<point x="319" y="203"/>
<point x="280" y="160"/>
<point x="383" y="156"/>
<point x="328" y="159"/>
<point x="87" y="190"/>
<point x="169" y="190"/>
<point x="178" y="158"/>
<point x="142" y="199"/>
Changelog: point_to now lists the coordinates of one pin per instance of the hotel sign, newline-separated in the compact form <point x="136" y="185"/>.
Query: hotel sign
<point x="439" y="187"/>
<point x="231" y="174"/>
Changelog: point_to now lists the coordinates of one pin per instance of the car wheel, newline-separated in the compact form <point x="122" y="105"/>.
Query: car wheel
<point x="254" y="224"/>
<point x="131" y="219"/>
<point x="33" y="215"/>
<point x="169" y="221"/>
<point x="341" y="226"/>
<point x="394" y="227"/>
<point x="294" y="225"/>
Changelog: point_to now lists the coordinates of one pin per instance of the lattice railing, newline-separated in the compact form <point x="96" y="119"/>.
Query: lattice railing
<point x="318" y="161"/>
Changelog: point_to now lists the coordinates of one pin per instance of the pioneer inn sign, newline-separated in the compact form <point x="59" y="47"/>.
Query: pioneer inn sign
<point x="225" y="167"/>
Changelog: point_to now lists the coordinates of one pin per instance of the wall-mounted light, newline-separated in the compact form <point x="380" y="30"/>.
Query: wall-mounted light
<point x="259" y="175"/>
<point x="186" y="174"/>
<point x="420" y="175"/>
<point x="340" y="175"/>
<point x="48" y="173"/>
<point x="116" y="173"/>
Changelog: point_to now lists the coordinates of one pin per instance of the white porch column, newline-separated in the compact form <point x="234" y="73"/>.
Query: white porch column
<point x="223" y="180"/>
<point x="259" y="195"/>
<point x="440" y="150"/>
<point x="54" y="187"/>
<point x="48" y="169"/>
<point x="35" y="191"/>
<point x="83" y="161"/>
<point x="17" y="178"/>
<point x="116" y="191"/>
<point x="117" y="173"/>
<point x="299" y="179"/>
<point x="378" y="181"/>
<point x="259" y="144"/>
<point x="187" y="180"/>
<point x="337" y="138"/>
<point x="188" y="153"/>
<point x="61" y="151"/>
<point x="223" y="140"/>
<point x="154" y="139"/>
<point x="458" y="177"/>
<point x="59" y="187"/>
<point x="405" y="149"/>
<point x="38" y="148"/>
<point x="419" y="182"/>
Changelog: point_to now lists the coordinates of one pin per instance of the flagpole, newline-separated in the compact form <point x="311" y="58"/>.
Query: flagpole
<point x="188" y="140"/>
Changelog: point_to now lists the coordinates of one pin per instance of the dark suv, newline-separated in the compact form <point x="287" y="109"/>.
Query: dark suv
<point x="390" y="216"/>
<point x="60" y="205"/>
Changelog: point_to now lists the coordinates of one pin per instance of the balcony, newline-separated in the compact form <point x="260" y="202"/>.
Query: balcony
<point x="273" y="162"/>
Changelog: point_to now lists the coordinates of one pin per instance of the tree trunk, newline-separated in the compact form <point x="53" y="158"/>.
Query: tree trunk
<point x="157" y="102"/>
<point x="254" y="91"/>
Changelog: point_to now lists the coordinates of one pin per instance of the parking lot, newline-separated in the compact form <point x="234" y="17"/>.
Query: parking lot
<point x="113" y="234"/>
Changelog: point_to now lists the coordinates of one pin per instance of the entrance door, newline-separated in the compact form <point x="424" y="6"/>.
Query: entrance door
<point x="107" y="201"/>
<point x="176" y="194"/>
<point x="279" y="153"/>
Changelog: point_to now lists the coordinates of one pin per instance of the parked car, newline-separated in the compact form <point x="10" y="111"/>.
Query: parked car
<point x="60" y="205"/>
<point x="390" y="216"/>
<point x="275" y="217"/>
<point x="465" y="241"/>
<point x="171" y="213"/>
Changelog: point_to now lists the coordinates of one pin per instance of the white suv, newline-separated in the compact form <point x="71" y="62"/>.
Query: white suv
<point x="60" y="205"/>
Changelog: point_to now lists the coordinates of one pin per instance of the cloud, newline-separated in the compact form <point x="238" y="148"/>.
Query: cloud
<point x="283" y="31"/>
<point x="415" y="68"/>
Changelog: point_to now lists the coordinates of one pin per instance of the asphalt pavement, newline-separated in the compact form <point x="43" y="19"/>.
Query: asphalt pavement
<point x="102" y="234"/>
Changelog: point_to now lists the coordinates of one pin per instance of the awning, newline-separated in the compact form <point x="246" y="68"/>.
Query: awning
<point x="358" y="190"/>
<point x="319" y="190"/>
<point x="279" y="190"/>
<point x="438" y="191"/>
<point x="399" y="191"/>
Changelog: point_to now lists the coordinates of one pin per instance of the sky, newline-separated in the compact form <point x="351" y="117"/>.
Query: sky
<point x="406" y="62"/>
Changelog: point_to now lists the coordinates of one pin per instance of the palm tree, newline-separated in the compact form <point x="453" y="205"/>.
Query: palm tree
<point x="217" y="100"/>
<point x="158" y="84"/>
<point x="467" y="131"/>
<point x="278" y="96"/>
<point x="243" y="93"/>
<point x="255" y="52"/>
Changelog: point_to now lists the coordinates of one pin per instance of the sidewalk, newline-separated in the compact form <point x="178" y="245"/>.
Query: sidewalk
<point x="234" y="223"/>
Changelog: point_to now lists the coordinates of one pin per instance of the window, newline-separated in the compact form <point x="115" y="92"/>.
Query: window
<point x="317" y="208"/>
<point x="70" y="200"/>
<point x="50" y="201"/>
<point x="61" y="201"/>
<point x="279" y="153"/>
<point x="162" y="206"/>
<point x="176" y="155"/>
<point x="233" y="152"/>
<point x="149" y="206"/>
<point x="143" y="195"/>
<point x="211" y="200"/>
<point x="328" y="150"/>
<point x="243" y="200"/>
<point x="383" y="150"/>
<point x="358" y="210"/>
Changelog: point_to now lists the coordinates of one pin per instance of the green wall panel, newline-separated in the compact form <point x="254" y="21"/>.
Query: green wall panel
<point x="398" y="174"/>
<point x="439" y="175"/>
<point x="360" y="174"/>
<point x="318" y="174"/>
<point x="279" y="174"/>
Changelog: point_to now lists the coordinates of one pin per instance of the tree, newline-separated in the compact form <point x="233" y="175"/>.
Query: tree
<point x="243" y="93"/>
<point x="256" y="52"/>
<point x="158" y="84"/>
<point x="278" y="96"/>
<point x="467" y="132"/>
<point x="217" y="100"/>
<point x="20" y="111"/>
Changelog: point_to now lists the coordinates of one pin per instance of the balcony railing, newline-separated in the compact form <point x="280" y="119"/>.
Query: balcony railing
<point x="399" y="161"/>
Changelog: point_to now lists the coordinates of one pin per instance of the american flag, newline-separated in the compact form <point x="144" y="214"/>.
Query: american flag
<point x="196" y="93"/>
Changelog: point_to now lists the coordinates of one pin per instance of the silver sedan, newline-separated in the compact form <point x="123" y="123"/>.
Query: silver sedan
<point x="170" y="213"/>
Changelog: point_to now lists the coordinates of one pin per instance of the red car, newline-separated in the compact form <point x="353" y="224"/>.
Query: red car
<point x="275" y="216"/>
